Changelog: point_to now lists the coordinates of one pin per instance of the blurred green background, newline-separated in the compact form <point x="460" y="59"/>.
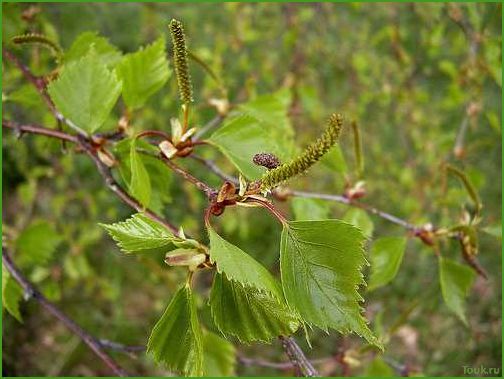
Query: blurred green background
<point x="406" y="72"/>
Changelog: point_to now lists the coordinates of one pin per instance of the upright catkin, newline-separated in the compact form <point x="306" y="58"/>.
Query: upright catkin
<point x="310" y="155"/>
<point x="180" y="58"/>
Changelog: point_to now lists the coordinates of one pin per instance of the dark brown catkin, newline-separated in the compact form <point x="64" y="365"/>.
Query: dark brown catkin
<point x="268" y="160"/>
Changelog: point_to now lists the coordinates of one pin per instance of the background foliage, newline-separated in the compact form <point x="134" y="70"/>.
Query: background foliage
<point x="404" y="71"/>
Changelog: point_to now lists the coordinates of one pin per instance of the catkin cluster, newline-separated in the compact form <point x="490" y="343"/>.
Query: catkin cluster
<point x="180" y="61"/>
<point x="309" y="156"/>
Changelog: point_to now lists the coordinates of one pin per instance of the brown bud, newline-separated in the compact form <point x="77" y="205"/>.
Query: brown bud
<point x="267" y="160"/>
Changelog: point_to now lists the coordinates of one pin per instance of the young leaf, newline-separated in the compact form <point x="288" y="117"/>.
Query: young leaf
<point x="220" y="356"/>
<point x="12" y="294"/>
<point x="140" y="234"/>
<point x="386" y="257"/>
<point x="240" y="138"/>
<point x="335" y="160"/>
<point x="176" y="339"/>
<point x="37" y="243"/>
<point x="360" y="219"/>
<point x="85" y="92"/>
<point x="272" y="110"/>
<point x="456" y="280"/>
<point x="160" y="175"/>
<point x="321" y="267"/>
<point x="239" y="266"/>
<point x="248" y="313"/>
<point x="379" y="369"/>
<point x="140" y="185"/>
<point x="309" y="209"/>
<point x="143" y="73"/>
<point x="105" y="51"/>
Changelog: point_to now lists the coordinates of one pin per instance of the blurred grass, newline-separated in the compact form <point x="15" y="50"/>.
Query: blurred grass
<point x="402" y="70"/>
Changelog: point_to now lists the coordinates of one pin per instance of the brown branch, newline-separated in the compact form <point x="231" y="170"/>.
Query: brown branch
<point x="105" y="172"/>
<point x="215" y="169"/>
<point x="35" y="129"/>
<point x="209" y="191"/>
<point x="38" y="83"/>
<point x="89" y="340"/>
<point x="297" y="357"/>
<point x="342" y="199"/>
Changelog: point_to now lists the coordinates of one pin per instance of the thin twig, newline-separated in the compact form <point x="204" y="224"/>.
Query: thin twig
<point x="102" y="168"/>
<point x="215" y="169"/>
<point x="35" y="129"/>
<point x="38" y="83"/>
<point x="89" y="340"/>
<point x="341" y="199"/>
<point x="297" y="357"/>
<point x="213" y="123"/>
<point x="209" y="191"/>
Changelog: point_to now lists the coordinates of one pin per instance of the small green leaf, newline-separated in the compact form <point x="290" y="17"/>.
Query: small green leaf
<point x="456" y="281"/>
<point x="105" y="51"/>
<point x="85" y="92"/>
<point x="247" y="313"/>
<point x="493" y="230"/>
<point x="160" y="175"/>
<point x="309" y="209"/>
<point x="140" y="234"/>
<point x="220" y="356"/>
<point x="143" y="73"/>
<point x="335" y="160"/>
<point x="37" y="243"/>
<point x="240" y="138"/>
<point x="386" y="257"/>
<point x="12" y="294"/>
<point x="176" y="339"/>
<point x="140" y="185"/>
<point x="240" y="266"/>
<point x="360" y="219"/>
<point x="272" y="111"/>
<point x="379" y="369"/>
<point x="321" y="266"/>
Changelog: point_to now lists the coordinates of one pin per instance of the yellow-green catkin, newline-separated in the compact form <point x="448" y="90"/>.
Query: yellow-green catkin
<point x="180" y="58"/>
<point x="38" y="39"/>
<point x="310" y="155"/>
<point x="471" y="191"/>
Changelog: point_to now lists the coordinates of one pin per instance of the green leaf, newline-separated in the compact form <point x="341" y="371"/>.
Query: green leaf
<point x="360" y="219"/>
<point x="386" y="257"/>
<point x="220" y="356"/>
<point x="240" y="138"/>
<point x="143" y="73"/>
<point x="37" y="243"/>
<point x="335" y="160"/>
<point x="456" y="281"/>
<point x="105" y="51"/>
<point x="379" y="369"/>
<point x="272" y="111"/>
<point x="12" y="294"/>
<point x="239" y="266"/>
<point x="140" y="234"/>
<point x="176" y="339"/>
<point x="85" y="92"/>
<point x="247" y="313"/>
<point x="140" y="185"/>
<point x="321" y="266"/>
<point x="309" y="209"/>
<point x="493" y="230"/>
<point x="160" y="175"/>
